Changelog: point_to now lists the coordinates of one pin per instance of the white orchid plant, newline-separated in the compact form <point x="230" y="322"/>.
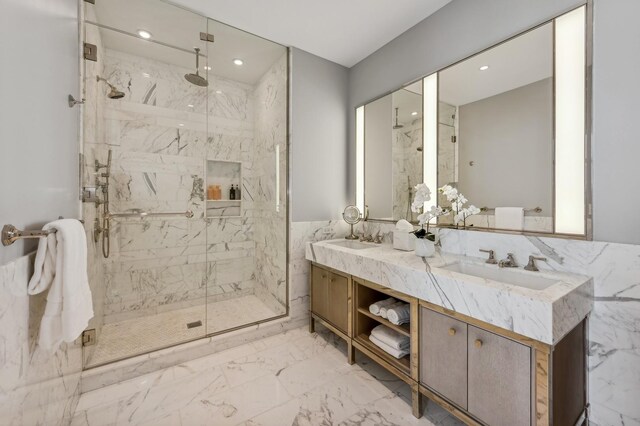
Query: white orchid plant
<point x="457" y="200"/>
<point x="423" y="194"/>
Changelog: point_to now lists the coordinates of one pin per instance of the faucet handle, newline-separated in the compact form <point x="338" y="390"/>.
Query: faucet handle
<point x="492" y="256"/>
<point x="531" y="266"/>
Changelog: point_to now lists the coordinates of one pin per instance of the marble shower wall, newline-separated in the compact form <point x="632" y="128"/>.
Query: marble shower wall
<point x="406" y="167"/>
<point x="270" y="206"/>
<point x="158" y="135"/>
<point x="614" y="325"/>
<point x="36" y="387"/>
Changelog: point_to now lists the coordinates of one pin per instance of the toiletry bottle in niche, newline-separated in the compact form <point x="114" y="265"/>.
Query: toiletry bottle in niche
<point x="210" y="192"/>
<point x="238" y="192"/>
<point x="232" y="193"/>
<point x="217" y="193"/>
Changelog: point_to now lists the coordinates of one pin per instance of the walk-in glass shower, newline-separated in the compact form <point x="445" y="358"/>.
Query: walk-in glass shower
<point x="184" y="176"/>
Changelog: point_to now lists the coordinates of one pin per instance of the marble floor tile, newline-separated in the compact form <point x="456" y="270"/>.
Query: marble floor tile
<point x="295" y="378"/>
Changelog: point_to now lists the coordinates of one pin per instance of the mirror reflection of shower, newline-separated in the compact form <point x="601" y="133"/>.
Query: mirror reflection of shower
<point x="114" y="93"/>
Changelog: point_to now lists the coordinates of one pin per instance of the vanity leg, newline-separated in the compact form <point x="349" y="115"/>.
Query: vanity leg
<point x="312" y="324"/>
<point x="351" y="353"/>
<point x="416" y="401"/>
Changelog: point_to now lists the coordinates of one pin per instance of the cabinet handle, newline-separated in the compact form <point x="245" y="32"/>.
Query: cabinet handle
<point x="478" y="343"/>
<point x="324" y="275"/>
<point x="331" y="280"/>
<point x="452" y="331"/>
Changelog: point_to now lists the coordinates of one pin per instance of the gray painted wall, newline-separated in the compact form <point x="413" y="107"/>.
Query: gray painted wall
<point x="38" y="131"/>
<point x="509" y="137"/>
<point x="319" y="139"/>
<point x="616" y="140"/>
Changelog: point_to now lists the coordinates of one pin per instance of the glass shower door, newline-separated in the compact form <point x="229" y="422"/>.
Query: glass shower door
<point x="150" y="292"/>
<point x="247" y="163"/>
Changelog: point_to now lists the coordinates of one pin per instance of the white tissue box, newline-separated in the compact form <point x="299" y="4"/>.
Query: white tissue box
<point x="403" y="240"/>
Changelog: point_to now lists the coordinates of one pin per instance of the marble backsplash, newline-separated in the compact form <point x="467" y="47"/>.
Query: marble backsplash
<point x="36" y="387"/>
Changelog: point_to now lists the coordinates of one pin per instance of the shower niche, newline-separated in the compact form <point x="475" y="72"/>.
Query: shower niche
<point x="179" y="116"/>
<point x="223" y="188"/>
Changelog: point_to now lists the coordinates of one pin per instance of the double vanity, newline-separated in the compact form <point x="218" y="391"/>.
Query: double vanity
<point x="492" y="345"/>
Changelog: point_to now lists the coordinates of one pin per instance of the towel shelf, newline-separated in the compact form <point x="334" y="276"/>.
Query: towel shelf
<point x="11" y="234"/>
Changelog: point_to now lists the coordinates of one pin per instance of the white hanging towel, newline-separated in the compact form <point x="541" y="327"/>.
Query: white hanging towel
<point x="399" y="314"/>
<point x="61" y="267"/>
<point x="510" y="218"/>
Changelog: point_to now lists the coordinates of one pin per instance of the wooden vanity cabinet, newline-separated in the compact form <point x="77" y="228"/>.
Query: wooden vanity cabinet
<point x="499" y="378"/>
<point x="331" y="300"/>
<point x="485" y="375"/>
<point x="443" y="355"/>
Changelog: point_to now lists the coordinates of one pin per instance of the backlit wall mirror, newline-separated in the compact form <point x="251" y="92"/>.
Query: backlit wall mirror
<point x="505" y="127"/>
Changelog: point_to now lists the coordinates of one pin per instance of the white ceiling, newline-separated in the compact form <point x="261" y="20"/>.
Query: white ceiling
<point x="343" y="31"/>
<point x="516" y="63"/>
<point x="179" y="31"/>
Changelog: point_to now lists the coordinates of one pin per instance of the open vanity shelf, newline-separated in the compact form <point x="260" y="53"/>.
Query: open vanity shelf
<point x="480" y="373"/>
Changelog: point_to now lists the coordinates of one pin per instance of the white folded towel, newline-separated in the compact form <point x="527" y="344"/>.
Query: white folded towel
<point x="385" y="309"/>
<point x="391" y="337"/>
<point x="397" y="353"/>
<point x="61" y="267"/>
<point x="399" y="314"/>
<point x="374" y="308"/>
<point x="509" y="218"/>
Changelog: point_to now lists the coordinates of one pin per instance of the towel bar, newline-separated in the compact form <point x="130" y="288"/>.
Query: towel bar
<point x="11" y="234"/>
<point x="535" y="209"/>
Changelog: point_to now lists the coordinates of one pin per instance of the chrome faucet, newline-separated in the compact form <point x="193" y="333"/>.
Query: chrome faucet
<point x="531" y="266"/>
<point x="492" y="256"/>
<point x="509" y="262"/>
<point x="365" y="238"/>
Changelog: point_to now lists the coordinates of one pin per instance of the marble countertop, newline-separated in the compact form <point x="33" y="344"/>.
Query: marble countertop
<point x="544" y="315"/>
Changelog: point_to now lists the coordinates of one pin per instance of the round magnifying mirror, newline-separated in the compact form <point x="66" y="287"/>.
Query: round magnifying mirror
<point x="351" y="215"/>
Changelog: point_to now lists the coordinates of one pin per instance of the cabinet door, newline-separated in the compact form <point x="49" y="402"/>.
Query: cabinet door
<point x="443" y="355"/>
<point x="319" y="291"/>
<point x="499" y="379"/>
<point x="338" y="302"/>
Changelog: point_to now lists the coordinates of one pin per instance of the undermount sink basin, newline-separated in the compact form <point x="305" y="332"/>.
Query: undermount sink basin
<point x="352" y="244"/>
<point x="493" y="272"/>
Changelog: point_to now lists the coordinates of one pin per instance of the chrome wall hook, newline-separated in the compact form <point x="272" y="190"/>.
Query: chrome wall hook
<point x="73" y="102"/>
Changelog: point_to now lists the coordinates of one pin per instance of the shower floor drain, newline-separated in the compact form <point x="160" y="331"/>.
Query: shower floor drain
<point x="194" y="324"/>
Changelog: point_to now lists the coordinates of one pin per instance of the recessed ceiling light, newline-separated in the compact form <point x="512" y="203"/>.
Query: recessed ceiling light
<point x="414" y="113"/>
<point x="484" y="67"/>
<point x="238" y="62"/>
<point x="181" y="125"/>
<point x="146" y="74"/>
<point x="190" y="106"/>
<point x="218" y="91"/>
<point x="208" y="68"/>
<point x="144" y="34"/>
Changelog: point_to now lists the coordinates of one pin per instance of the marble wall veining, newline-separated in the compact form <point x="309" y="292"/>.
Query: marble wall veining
<point x="36" y="387"/>
<point x="270" y="100"/>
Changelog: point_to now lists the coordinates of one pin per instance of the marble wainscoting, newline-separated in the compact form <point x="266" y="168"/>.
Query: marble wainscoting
<point x="36" y="387"/>
<point x="614" y="326"/>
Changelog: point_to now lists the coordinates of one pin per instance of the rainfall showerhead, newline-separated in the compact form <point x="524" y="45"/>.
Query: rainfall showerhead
<point x="398" y="125"/>
<point x="113" y="93"/>
<point x="196" y="78"/>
